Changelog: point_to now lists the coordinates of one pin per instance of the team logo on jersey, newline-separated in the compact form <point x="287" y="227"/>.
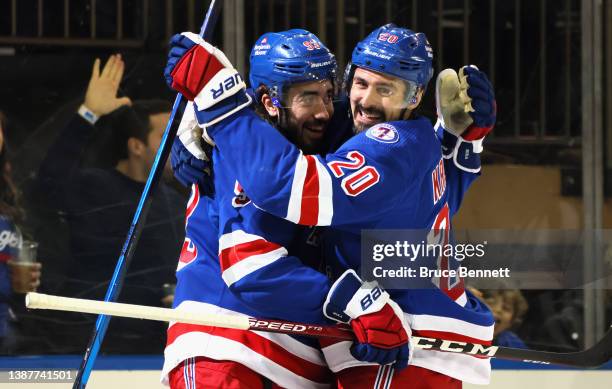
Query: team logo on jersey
<point x="241" y="199"/>
<point x="10" y="241"/>
<point x="385" y="133"/>
<point x="189" y="253"/>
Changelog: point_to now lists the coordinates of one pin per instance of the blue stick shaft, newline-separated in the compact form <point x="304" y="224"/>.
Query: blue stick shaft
<point x="140" y="215"/>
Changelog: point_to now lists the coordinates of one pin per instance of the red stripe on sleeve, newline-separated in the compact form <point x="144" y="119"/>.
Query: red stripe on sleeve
<point x="237" y="253"/>
<point x="193" y="201"/>
<point x="309" y="214"/>
<point x="455" y="292"/>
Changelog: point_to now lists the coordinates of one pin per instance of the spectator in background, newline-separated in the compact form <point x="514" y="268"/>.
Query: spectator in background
<point x="563" y="331"/>
<point x="11" y="215"/>
<point x="99" y="205"/>
<point x="508" y="307"/>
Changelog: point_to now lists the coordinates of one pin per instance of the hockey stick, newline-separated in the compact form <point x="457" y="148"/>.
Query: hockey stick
<point x="140" y="215"/>
<point x="592" y="357"/>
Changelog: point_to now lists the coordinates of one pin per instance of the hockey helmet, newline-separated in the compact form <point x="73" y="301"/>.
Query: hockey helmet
<point x="279" y="59"/>
<point x="395" y="51"/>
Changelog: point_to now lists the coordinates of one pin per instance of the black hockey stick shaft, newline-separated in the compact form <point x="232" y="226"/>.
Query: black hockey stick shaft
<point x="140" y="215"/>
<point x="595" y="356"/>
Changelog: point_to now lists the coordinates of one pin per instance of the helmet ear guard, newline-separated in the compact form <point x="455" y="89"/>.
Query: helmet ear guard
<point x="412" y="92"/>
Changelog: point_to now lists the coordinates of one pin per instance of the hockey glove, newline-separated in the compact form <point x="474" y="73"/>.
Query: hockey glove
<point x="382" y="333"/>
<point x="465" y="155"/>
<point x="465" y="102"/>
<point x="204" y="75"/>
<point x="190" y="170"/>
<point x="190" y="156"/>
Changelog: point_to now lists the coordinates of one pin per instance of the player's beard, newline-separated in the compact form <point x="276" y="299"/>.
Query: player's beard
<point x="305" y="140"/>
<point x="360" y="111"/>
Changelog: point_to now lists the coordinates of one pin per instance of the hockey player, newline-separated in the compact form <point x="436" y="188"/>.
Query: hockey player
<point x="388" y="176"/>
<point x="237" y="259"/>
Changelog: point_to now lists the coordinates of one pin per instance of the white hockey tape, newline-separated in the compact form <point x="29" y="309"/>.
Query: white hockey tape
<point x="44" y="301"/>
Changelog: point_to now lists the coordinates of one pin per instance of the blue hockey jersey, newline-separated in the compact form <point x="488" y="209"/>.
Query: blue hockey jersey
<point x="238" y="260"/>
<point x="391" y="176"/>
<point x="235" y="261"/>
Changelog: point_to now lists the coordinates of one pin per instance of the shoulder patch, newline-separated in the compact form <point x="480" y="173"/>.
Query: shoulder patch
<point x="385" y="133"/>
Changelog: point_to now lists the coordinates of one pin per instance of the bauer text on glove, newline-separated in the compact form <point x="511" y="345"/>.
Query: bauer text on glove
<point x="204" y="75"/>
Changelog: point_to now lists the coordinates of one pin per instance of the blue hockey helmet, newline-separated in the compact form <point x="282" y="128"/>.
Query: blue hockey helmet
<point x="395" y="51"/>
<point x="279" y="59"/>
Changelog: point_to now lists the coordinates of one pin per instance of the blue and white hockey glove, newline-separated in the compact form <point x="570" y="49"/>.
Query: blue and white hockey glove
<point x="383" y="335"/>
<point x="190" y="170"/>
<point x="204" y="75"/>
<point x="465" y="103"/>
<point x="190" y="155"/>
<point x="465" y="155"/>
